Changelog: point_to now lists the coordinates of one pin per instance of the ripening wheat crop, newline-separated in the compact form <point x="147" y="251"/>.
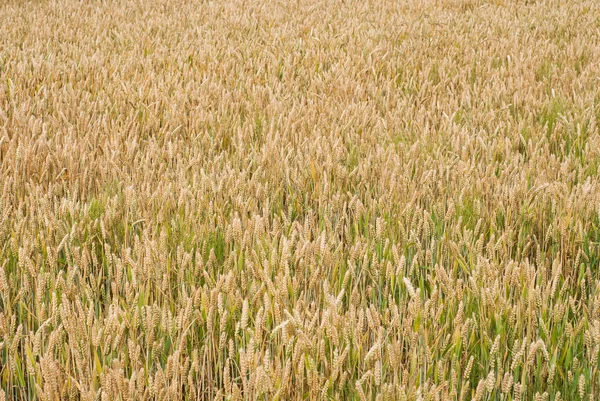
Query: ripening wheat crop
<point x="299" y="200"/>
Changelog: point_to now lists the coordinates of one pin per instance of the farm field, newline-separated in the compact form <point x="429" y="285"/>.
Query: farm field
<point x="299" y="200"/>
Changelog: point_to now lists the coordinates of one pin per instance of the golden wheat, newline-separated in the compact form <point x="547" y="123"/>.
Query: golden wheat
<point x="240" y="200"/>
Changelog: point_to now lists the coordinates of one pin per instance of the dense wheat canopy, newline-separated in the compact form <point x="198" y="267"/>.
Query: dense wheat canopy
<point x="307" y="199"/>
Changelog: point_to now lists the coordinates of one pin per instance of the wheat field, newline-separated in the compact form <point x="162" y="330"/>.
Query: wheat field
<point x="299" y="200"/>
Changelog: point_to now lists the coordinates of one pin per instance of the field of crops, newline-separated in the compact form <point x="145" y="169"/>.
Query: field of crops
<point x="299" y="200"/>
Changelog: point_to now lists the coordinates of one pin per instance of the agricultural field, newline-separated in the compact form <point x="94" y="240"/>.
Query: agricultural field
<point x="299" y="200"/>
